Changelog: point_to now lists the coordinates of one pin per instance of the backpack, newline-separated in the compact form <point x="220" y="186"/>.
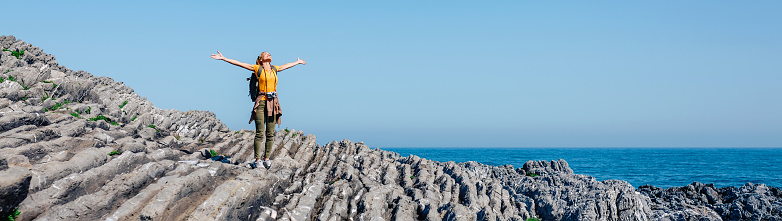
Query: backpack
<point x="254" y="82"/>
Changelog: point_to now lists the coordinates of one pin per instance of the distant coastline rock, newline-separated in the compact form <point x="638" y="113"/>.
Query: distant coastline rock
<point x="696" y="200"/>
<point x="78" y="147"/>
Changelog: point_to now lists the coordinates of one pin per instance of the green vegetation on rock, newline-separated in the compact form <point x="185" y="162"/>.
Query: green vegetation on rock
<point x="123" y="104"/>
<point x="11" y="78"/>
<point x="104" y="118"/>
<point x="16" y="53"/>
<point x="14" y="215"/>
<point x="50" y="82"/>
<point x="99" y="117"/>
<point x="113" y="152"/>
<point x="59" y="105"/>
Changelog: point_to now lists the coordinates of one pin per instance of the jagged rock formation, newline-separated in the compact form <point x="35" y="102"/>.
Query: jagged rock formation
<point x="698" y="200"/>
<point x="56" y="165"/>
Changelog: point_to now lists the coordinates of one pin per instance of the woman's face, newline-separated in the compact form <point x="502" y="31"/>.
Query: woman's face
<point x="266" y="57"/>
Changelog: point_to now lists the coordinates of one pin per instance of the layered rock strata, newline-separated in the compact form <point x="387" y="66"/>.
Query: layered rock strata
<point x="78" y="147"/>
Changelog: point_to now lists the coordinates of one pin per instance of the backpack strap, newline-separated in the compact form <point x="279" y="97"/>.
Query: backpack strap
<point x="275" y="74"/>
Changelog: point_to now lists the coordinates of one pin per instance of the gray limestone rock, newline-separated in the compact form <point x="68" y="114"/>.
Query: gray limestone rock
<point x="13" y="188"/>
<point x="698" y="201"/>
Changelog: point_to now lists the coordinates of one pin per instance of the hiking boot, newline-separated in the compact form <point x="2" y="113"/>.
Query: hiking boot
<point x="267" y="164"/>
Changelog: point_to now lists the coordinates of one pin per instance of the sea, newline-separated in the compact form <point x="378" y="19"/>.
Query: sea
<point x="661" y="167"/>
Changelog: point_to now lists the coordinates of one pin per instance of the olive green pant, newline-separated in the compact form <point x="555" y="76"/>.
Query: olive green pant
<point x="264" y="124"/>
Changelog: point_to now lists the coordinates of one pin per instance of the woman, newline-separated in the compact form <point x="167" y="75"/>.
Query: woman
<point x="266" y="111"/>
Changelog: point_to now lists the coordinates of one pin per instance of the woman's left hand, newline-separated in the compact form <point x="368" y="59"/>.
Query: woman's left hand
<point x="299" y="61"/>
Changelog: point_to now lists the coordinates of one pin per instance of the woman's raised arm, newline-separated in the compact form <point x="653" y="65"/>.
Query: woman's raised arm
<point x="289" y="65"/>
<point x="219" y="56"/>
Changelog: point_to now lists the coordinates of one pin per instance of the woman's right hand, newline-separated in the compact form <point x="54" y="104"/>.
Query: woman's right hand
<point x="218" y="56"/>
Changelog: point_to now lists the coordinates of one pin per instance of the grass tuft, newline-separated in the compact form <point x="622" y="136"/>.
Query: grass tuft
<point x="45" y="97"/>
<point x="104" y="118"/>
<point x="16" y="53"/>
<point x="113" y="152"/>
<point x="76" y="115"/>
<point x="123" y="104"/>
<point x="14" y="214"/>
<point x="134" y="118"/>
<point x="100" y="117"/>
<point x="59" y="105"/>
<point x="24" y="98"/>
<point x="532" y="219"/>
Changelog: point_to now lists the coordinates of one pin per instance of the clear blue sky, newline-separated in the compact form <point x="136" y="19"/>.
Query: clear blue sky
<point x="446" y="73"/>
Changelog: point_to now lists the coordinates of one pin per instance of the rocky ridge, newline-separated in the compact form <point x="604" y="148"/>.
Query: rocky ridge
<point x="56" y="164"/>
